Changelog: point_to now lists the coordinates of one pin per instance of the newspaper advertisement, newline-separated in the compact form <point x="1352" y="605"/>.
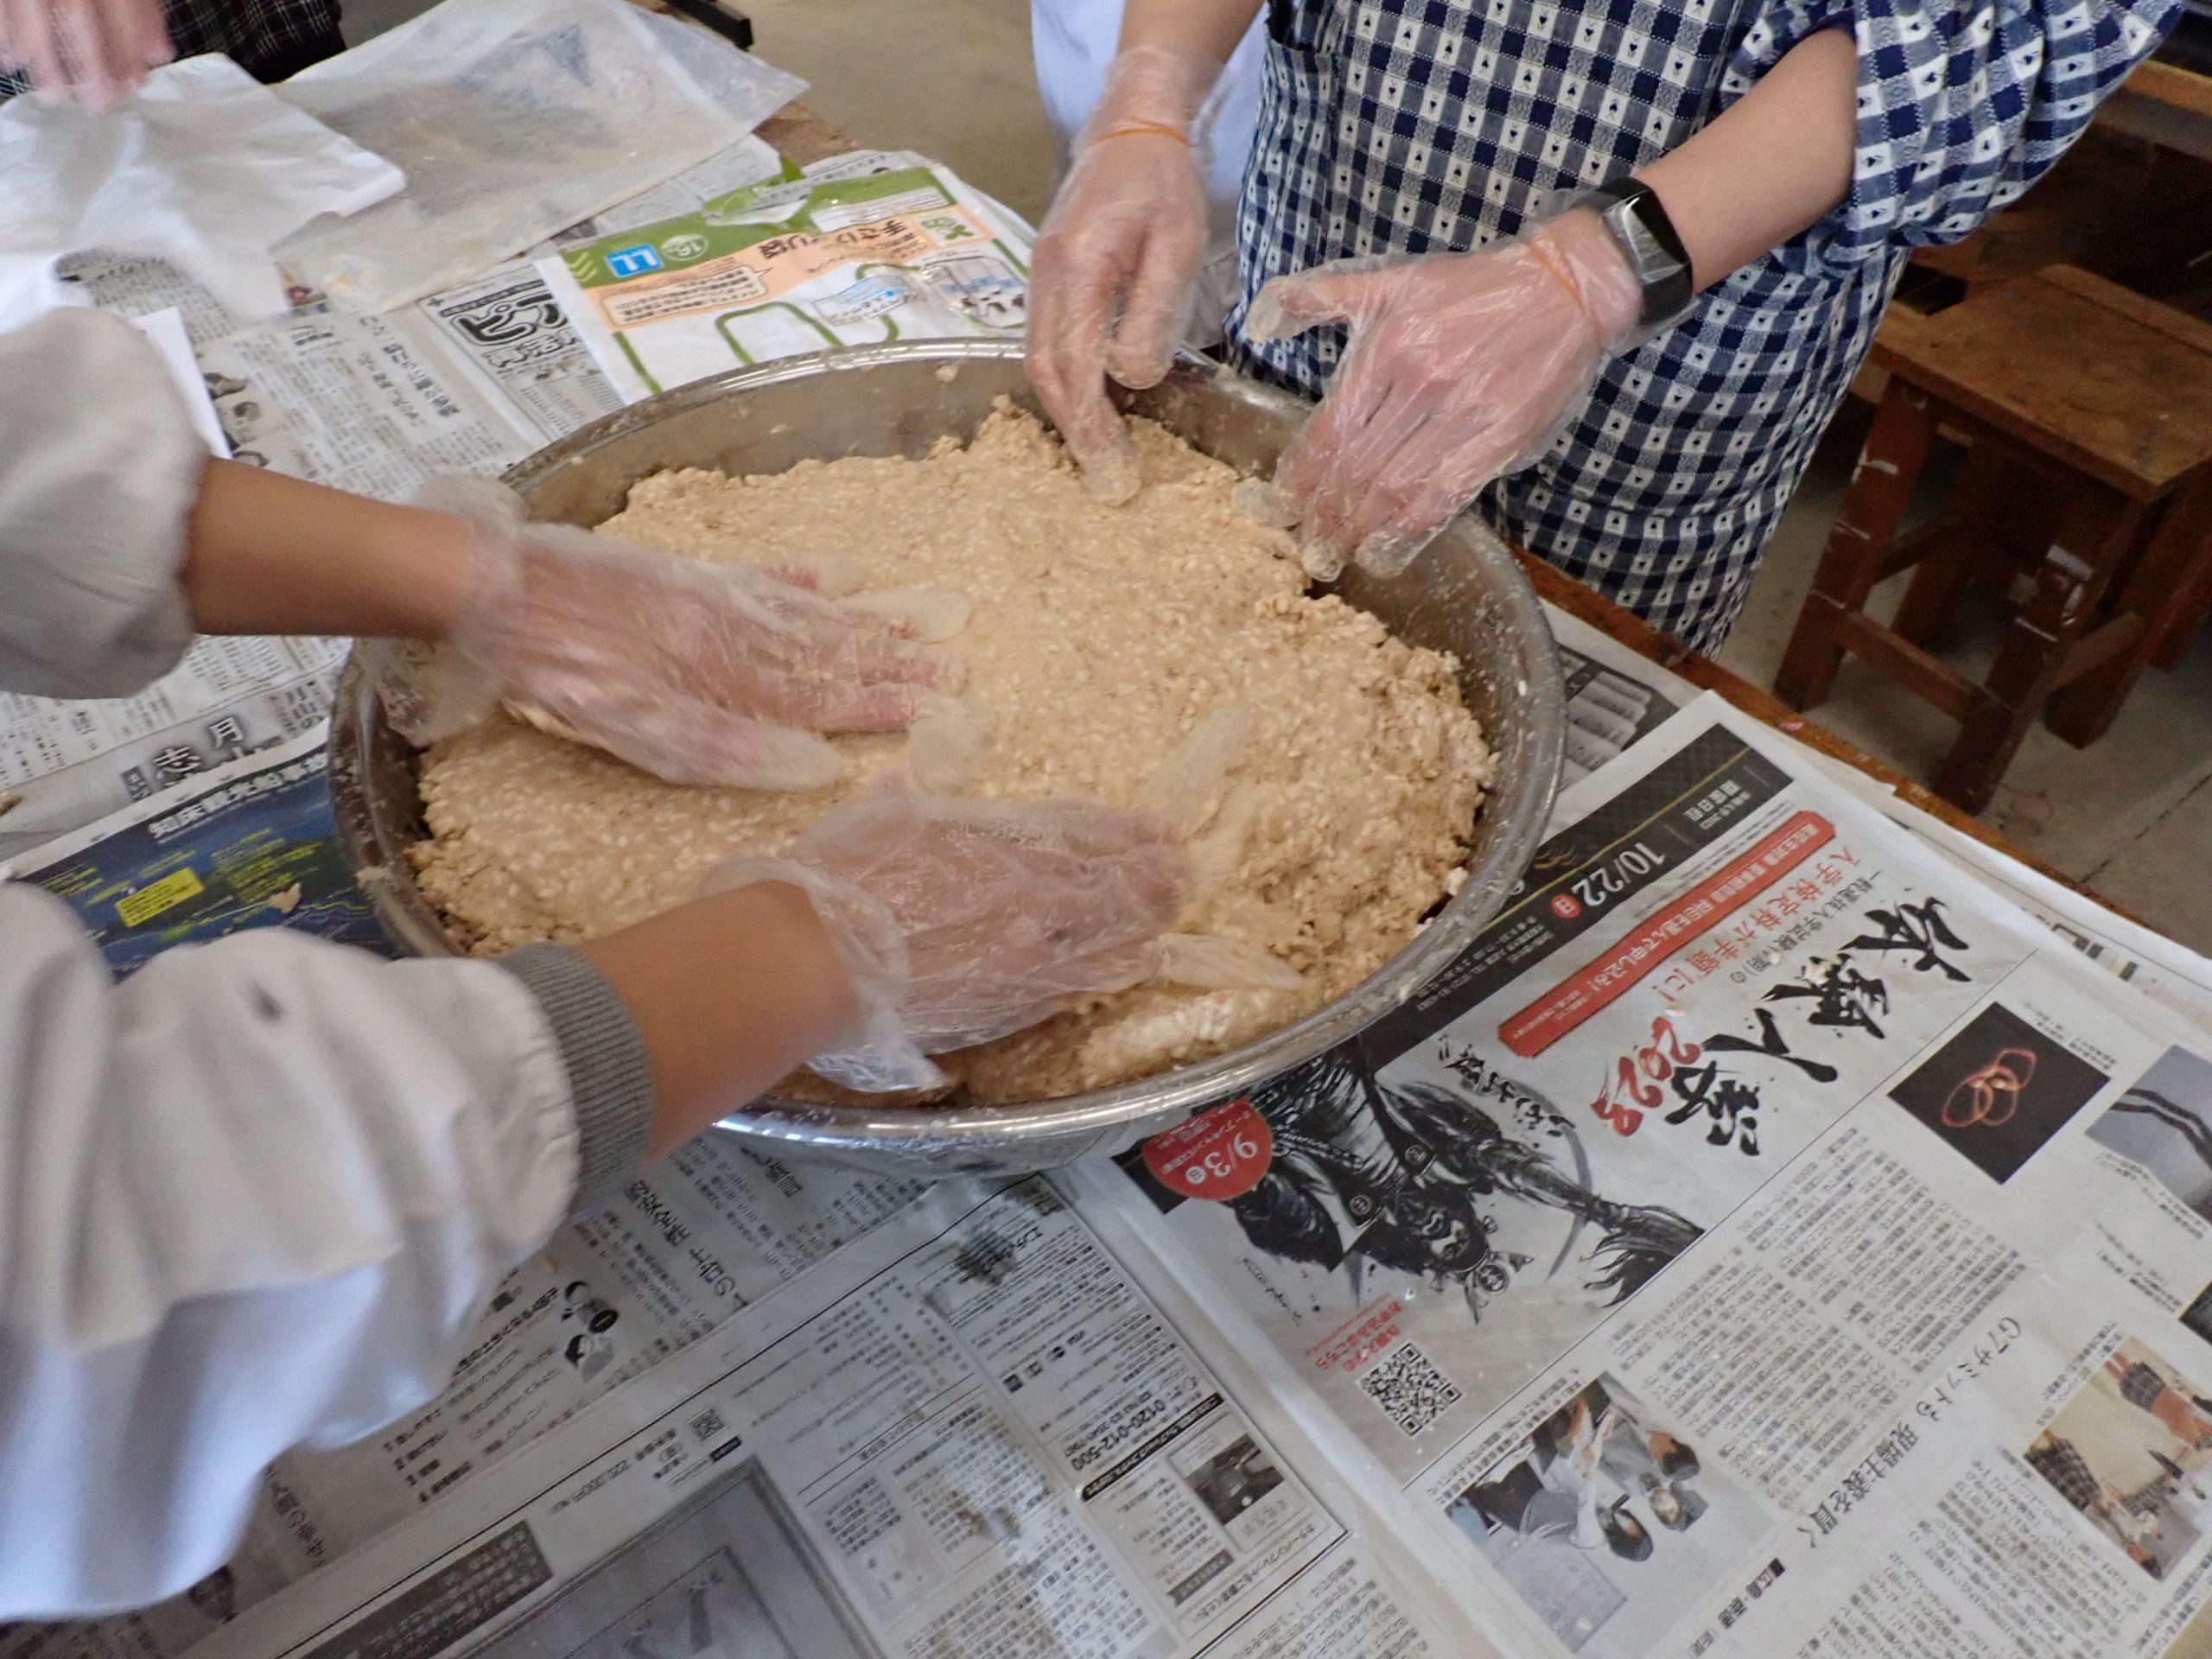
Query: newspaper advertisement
<point x="782" y="269"/>
<point x="1756" y="1172"/>
<point x="248" y="844"/>
<point x="2153" y="964"/>
<point x="990" y="1441"/>
<point x="513" y="339"/>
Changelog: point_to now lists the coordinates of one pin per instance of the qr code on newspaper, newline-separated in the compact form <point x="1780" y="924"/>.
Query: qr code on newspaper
<point x="1412" y="1392"/>
<point x="708" y="1425"/>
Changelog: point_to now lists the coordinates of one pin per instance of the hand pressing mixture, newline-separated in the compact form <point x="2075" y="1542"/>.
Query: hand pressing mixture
<point x="1164" y="654"/>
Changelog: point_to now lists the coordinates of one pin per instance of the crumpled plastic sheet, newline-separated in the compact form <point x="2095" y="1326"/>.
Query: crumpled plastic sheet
<point x="202" y="167"/>
<point x="514" y="119"/>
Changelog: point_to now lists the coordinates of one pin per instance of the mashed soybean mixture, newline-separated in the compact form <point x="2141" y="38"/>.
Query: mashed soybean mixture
<point x="1100" y="638"/>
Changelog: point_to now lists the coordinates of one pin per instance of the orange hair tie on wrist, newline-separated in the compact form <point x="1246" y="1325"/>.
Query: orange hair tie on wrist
<point x="1565" y="280"/>
<point x="1143" y="130"/>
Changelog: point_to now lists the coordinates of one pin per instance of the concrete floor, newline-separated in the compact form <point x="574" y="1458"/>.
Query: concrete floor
<point x="2131" y="816"/>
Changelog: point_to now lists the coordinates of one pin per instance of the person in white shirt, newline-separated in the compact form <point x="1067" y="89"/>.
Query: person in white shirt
<point x="253" y="1197"/>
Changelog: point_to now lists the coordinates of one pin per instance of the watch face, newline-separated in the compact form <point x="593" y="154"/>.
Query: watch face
<point x="1663" y="273"/>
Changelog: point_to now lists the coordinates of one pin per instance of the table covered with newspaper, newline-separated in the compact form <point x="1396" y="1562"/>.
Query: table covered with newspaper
<point x="1787" y="1231"/>
<point x="1784" y="1231"/>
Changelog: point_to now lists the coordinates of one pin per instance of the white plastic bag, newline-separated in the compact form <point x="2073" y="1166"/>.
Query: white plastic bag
<point x="513" y="119"/>
<point x="203" y="166"/>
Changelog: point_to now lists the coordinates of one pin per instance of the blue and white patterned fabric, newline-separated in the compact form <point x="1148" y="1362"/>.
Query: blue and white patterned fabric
<point x="1419" y="126"/>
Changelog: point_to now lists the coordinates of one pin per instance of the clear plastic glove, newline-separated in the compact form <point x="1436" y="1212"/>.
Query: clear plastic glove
<point x="962" y="921"/>
<point x="95" y="51"/>
<point x="699" y="673"/>
<point x="1461" y="367"/>
<point x="1114" y="277"/>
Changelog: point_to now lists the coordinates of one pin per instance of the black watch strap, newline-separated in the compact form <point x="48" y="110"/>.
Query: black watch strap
<point x="1637" y="219"/>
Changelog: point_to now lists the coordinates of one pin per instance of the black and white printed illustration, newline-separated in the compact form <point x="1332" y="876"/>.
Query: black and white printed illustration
<point x="2131" y="1450"/>
<point x="1611" y="1527"/>
<point x="1999" y="1091"/>
<point x="1412" y="1176"/>
<point x="590" y="1322"/>
<point x="2164" y="1122"/>
<point x="1431" y="1236"/>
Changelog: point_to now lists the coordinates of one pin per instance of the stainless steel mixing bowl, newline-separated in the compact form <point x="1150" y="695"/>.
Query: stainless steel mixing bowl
<point x="1464" y="594"/>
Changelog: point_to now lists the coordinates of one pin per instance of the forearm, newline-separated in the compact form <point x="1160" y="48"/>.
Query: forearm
<point x="1206" y="30"/>
<point x="730" y="992"/>
<point x="268" y="554"/>
<point x="1770" y="165"/>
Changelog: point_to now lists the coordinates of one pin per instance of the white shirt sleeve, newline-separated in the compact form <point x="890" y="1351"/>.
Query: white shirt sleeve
<point x="252" y="1197"/>
<point x="99" y="469"/>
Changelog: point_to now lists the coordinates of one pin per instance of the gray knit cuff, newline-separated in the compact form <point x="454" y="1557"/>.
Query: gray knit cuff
<point x="609" y="1078"/>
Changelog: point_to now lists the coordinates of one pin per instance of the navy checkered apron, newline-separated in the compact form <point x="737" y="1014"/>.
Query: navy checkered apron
<point x="1419" y="126"/>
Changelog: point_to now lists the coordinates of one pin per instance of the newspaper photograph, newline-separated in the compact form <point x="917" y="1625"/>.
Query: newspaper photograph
<point x="1604" y="1474"/>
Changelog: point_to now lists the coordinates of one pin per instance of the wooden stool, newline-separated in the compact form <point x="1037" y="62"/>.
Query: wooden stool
<point x="2088" y="413"/>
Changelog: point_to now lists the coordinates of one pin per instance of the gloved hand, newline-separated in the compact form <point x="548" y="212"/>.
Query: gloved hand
<point x="1460" y="367"/>
<point x="700" y="673"/>
<point x="93" y="50"/>
<point x="964" y="920"/>
<point x="1115" y="276"/>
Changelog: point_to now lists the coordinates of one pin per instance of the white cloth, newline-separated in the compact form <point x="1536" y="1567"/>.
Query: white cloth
<point x="203" y="166"/>
<point x="1074" y="40"/>
<point x="254" y="1196"/>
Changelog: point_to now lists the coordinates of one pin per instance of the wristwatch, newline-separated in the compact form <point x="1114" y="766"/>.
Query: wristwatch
<point x="1638" y="221"/>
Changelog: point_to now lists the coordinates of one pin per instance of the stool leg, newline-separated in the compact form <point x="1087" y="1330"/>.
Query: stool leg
<point x="2177" y="625"/>
<point x="2161" y="590"/>
<point x="1889" y="465"/>
<point x="2067" y="588"/>
<point x="1949" y="567"/>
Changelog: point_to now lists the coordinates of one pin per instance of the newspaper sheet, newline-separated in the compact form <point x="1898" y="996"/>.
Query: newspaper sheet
<point x="973" y="1432"/>
<point x="1758" y="1174"/>
<point x="63" y="764"/>
<point x="781" y="269"/>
